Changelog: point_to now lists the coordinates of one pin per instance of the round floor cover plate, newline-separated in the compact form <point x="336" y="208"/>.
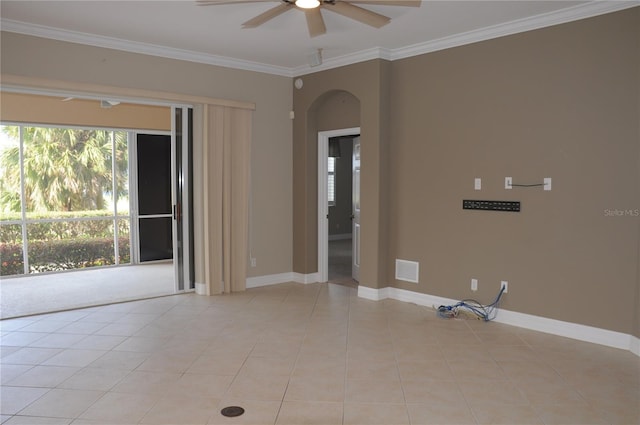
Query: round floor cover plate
<point x="232" y="411"/>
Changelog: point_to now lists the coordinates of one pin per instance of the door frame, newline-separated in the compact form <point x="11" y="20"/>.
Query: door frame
<point x="181" y="198"/>
<point x="323" y="202"/>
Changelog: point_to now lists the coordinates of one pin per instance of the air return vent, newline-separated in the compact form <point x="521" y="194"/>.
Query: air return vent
<point x="407" y="270"/>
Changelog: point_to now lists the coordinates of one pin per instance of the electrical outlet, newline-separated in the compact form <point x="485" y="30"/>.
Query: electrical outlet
<point x="504" y="284"/>
<point x="547" y="183"/>
<point x="474" y="284"/>
<point x="477" y="183"/>
<point x="253" y="262"/>
<point x="508" y="182"/>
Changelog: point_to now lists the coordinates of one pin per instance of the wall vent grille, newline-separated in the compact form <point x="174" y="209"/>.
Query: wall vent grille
<point x="407" y="270"/>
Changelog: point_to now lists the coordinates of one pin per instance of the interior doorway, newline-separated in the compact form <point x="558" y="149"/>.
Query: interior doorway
<point x="339" y="206"/>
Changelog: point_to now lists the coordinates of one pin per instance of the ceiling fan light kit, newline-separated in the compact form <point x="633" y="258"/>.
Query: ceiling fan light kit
<point x="311" y="8"/>
<point x="307" y="4"/>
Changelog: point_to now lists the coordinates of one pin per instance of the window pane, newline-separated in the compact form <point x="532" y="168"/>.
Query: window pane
<point x="154" y="174"/>
<point x="331" y="183"/>
<point x="124" y="245"/>
<point x="122" y="171"/>
<point x="69" y="191"/>
<point x="156" y="242"/>
<point x="10" y="204"/>
<point x="11" y="250"/>
<point x="67" y="245"/>
<point x="66" y="170"/>
<point x="331" y="192"/>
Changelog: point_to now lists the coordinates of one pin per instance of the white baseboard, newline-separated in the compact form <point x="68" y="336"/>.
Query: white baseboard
<point x="372" y="294"/>
<point x="522" y="320"/>
<point x="305" y="278"/>
<point x="201" y="288"/>
<point x="635" y="345"/>
<point x="274" y="279"/>
<point x="340" y="237"/>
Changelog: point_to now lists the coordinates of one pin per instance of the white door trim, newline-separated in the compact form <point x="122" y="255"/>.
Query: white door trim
<point x="323" y="207"/>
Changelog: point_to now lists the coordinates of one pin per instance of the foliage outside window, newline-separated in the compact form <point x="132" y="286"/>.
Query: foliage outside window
<point x="63" y="198"/>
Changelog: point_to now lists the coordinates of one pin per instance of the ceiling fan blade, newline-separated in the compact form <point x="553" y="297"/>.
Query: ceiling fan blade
<point x="357" y="13"/>
<point x="408" y="3"/>
<point x="216" y="2"/>
<point x="266" y="16"/>
<point x="315" y="23"/>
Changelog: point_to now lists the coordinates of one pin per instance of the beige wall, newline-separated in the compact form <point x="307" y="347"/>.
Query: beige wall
<point x="19" y="107"/>
<point x="271" y="149"/>
<point x="561" y="102"/>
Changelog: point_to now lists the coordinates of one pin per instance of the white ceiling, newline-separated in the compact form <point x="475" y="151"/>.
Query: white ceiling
<point x="212" y="34"/>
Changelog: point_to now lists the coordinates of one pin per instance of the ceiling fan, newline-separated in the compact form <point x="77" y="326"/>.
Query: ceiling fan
<point x="311" y="9"/>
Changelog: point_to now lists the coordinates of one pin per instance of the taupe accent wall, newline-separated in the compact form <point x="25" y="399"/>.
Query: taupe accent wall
<point x="560" y="102"/>
<point x="271" y="149"/>
<point x="369" y="83"/>
<point x="339" y="110"/>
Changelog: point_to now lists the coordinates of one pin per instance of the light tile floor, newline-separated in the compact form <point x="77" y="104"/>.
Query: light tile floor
<point x="340" y="259"/>
<point x="302" y="354"/>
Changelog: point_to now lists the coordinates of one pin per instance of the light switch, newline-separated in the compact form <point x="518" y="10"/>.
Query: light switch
<point x="477" y="184"/>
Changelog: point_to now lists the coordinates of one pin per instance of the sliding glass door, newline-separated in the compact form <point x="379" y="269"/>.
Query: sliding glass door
<point x="163" y="213"/>
<point x="182" y="125"/>
<point x="154" y="200"/>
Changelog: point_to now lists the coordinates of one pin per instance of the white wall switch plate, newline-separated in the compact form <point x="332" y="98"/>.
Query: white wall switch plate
<point x="474" y="284"/>
<point x="508" y="182"/>
<point x="547" y="183"/>
<point x="477" y="183"/>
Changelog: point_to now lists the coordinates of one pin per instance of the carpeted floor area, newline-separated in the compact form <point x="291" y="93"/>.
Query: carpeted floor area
<point x="22" y="296"/>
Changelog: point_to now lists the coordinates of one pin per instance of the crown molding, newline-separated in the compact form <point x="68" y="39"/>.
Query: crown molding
<point x="574" y="13"/>
<point x="141" y="48"/>
<point x="337" y="62"/>
<point x="544" y="20"/>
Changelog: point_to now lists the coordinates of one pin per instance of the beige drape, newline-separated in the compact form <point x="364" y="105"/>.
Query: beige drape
<point x="227" y="160"/>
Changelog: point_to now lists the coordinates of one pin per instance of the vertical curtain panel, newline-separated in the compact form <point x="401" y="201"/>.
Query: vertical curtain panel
<point x="227" y="162"/>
